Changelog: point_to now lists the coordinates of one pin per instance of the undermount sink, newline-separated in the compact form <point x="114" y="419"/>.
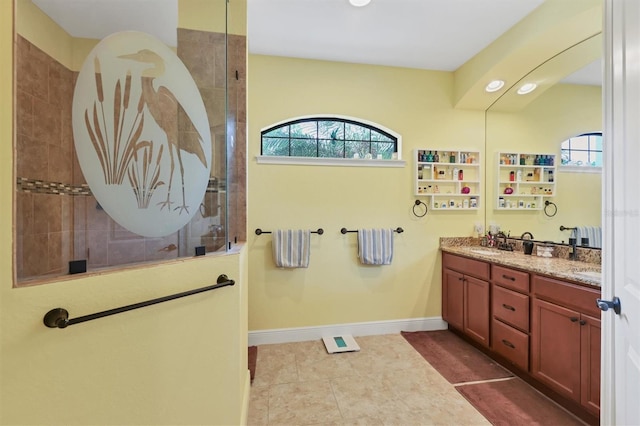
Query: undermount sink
<point x="486" y="252"/>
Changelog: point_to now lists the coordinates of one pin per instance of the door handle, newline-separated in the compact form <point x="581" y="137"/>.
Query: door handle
<point x="604" y="305"/>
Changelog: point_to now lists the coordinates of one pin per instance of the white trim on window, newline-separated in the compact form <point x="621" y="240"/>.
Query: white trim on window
<point x="315" y="161"/>
<point x="579" y="169"/>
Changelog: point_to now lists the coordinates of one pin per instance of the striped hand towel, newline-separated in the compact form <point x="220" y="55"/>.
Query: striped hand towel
<point x="291" y="248"/>
<point x="375" y="246"/>
<point x="593" y="233"/>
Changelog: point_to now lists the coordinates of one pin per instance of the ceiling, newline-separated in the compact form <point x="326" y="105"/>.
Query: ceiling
<point x="427" y="34"/>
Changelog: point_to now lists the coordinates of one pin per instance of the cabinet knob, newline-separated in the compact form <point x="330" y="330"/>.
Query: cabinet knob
<point x="574" y="319"/>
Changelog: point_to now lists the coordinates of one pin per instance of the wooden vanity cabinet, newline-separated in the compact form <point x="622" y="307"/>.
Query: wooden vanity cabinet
<point x="548" y="328"/>
<point x="510" y="315"/>
<point x="565" y="340"/>
<point x="465" y="296"/>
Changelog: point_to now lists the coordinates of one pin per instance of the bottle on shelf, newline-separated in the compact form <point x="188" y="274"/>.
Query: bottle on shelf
<point x="454" y="174"/>
<point x="452" y="157"/>
<point x="519" y="176"/>
<point x="460" y="174"/>
<point x="436" y="157"/>
<point x="429" y="157"/>
<point x="512" y="176"/>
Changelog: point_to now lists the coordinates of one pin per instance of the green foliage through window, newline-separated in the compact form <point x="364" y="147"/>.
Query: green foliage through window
<point x="327" y="137"/>
<point x="584" y="150"/>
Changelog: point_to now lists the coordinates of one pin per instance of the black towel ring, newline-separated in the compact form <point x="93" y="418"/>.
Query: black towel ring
<point x="416" y="204"/>
<point x="550" y="203"/>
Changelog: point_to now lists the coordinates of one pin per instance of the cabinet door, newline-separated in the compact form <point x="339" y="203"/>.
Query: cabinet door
<point x="476" y="309"/>
<point x="555" y="347"/>
<point x="453" y="298"/>
<point x="590" y="352"/>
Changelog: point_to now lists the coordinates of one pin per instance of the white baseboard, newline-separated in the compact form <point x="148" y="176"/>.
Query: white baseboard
<point x="301" y="334"/>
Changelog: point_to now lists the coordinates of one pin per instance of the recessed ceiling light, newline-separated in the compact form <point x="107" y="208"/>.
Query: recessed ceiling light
<point x="494" y="86"/>
<point x="359" y="3"/>
<point x="527" y="88"/>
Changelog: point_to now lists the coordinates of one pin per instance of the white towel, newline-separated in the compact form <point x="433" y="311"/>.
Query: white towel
<point x="291" y="248"/>
<point x="375" y="246"/>
<point x="593" y="233"/>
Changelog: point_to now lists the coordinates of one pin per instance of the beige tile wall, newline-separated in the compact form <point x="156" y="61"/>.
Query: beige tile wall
<point x="54" y="227"/>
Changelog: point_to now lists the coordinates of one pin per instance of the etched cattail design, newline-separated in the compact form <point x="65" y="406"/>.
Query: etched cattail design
<point x="144" y="173"/>
<point x="113" y="152"/>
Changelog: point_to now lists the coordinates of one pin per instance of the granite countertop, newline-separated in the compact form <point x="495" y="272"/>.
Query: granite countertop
<point x="580" y="272"/>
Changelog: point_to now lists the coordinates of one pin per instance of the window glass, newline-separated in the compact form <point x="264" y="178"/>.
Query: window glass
<point x="324" y="137"/>
<point x="584" y="150"/>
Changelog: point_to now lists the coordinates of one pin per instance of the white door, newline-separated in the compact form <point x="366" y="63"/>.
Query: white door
<point x="620" y="396"/>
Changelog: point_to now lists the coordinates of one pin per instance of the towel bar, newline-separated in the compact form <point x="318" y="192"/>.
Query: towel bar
<point x="398" y="230"/>
<point x="566" y="228"/>
<point x="259" y="231"/>
<point x="59" y="317"/>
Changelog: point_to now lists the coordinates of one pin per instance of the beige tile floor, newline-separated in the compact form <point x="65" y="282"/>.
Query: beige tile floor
<point x="386" y="383"/>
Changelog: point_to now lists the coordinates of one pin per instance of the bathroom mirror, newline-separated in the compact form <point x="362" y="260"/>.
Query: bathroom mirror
<point x="538" y="122"/>
<point x="61" y="215"/>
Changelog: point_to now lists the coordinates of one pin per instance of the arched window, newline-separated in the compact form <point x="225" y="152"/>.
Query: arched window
<point x="582" y="151"/>
<point x="329" y="137"/>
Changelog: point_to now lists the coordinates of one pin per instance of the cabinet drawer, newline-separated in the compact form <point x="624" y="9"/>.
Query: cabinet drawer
<point x="511" y="307"/>
<point x="510" y="278"/>
<point x="475" y="268"/>
<point x="510" y="343"/>
<point x="574" y="296"/>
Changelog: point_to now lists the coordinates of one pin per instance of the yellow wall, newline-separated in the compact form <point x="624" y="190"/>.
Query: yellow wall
<point x="335" y="288"/>
<point x="181" y="362"/>
<point x="563" y="111"/>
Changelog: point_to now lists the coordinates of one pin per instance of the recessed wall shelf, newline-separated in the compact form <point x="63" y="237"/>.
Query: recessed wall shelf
<point x="449" y="179"/>
<point x="524" y="180"/>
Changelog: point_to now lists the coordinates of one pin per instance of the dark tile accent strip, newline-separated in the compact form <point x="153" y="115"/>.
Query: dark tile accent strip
<point x="39" y="186"/>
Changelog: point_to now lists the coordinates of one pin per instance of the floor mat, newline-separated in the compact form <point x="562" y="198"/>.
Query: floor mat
<point x="253" y="358"/>
<point x="455" y="359"/>
<point x="513" y="402"/>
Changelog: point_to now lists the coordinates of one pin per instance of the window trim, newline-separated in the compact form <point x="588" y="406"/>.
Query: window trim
<point x="333" y="161"/>
<point x="327" y="161"/>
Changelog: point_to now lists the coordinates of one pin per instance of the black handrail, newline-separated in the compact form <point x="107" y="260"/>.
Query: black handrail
<point x="566" y="228"/>
<point x="398" y="230"/>
<point x="259" y="231"/>
<point x="59" y="317"/>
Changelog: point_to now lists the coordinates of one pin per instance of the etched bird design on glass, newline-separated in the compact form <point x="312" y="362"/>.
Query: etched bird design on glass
<point x="165" y="108"/>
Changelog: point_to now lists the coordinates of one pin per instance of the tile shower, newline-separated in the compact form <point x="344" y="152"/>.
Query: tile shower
<point x="57" y="218"/>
